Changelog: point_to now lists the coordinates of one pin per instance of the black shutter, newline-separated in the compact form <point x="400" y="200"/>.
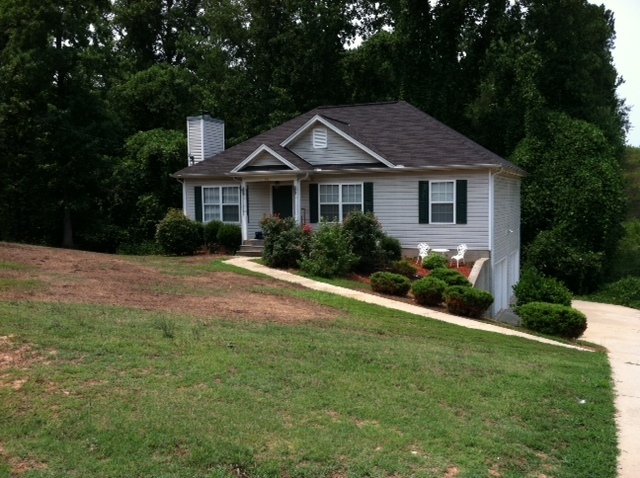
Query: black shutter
<point x="314" y="214"/>
<point x="461" y="201"/>
<point x="198" y="193"/>
<point x="423" y="202"/>
<point x="368" y="197"/>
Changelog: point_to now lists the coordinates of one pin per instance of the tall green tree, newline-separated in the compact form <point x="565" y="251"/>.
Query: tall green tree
<point x="54" y="68"/>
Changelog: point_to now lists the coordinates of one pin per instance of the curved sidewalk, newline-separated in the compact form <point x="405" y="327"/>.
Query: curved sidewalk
<point x="618" y="329"/>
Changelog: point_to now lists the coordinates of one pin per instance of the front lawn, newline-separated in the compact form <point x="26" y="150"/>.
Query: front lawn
<point x="96" y="390"/>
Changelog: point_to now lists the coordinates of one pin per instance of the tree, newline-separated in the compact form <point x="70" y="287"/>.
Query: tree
<point x="54" y="69"/>
<point x="574" y="194"/>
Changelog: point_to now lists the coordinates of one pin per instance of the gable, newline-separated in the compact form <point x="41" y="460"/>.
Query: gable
<point x="338" y="150"/>
<point x="266" y="159"/>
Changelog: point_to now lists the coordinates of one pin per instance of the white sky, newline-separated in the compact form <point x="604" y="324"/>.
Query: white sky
<point x="626" y="56"/>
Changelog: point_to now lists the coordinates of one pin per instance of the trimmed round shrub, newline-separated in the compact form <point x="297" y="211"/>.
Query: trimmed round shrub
<point x="211" y="234"/>
<point x="230" y="237"/>
<point x="404" y="268"/>
<point x="179" y="235"/>
<point x="390" y="283"/>
<point x="535" y="287"/>
<point x="467" y="301"/>
<point x="434" y="261"/>
<point x="428" y="291"/>
<point x="451" y="277"/>
<point x="553" y="319"/>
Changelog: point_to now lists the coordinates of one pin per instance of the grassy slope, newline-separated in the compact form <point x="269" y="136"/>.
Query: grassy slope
<point x="125" y="392"/>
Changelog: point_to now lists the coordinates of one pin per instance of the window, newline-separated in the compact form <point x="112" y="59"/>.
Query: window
<point x="221" y="204"/>
<point x="319" y="138"/>
<point x="338" y="200"/>
<point x="442" y="202"/>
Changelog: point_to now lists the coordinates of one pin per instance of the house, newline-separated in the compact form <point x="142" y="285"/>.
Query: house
<point x="424" y="181"/>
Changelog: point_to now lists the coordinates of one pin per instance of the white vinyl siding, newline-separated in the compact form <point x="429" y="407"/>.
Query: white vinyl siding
<point x="259" y="205"/>
<point x="205" y="137"/>
<point x="395" y="199"/>
<point x="505" y="255"/>
<point x="338" y="150"/>
<point x="442" y="200"/>
<point x="336" y="201"/>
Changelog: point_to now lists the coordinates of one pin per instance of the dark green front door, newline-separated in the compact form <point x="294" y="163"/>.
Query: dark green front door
<point x="282" y="200"/>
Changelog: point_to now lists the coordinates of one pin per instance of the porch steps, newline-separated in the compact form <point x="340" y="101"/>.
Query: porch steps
<point x="251" y="248"/>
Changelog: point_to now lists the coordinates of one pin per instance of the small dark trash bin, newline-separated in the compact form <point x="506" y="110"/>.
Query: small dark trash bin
<point x="259" y="235"/>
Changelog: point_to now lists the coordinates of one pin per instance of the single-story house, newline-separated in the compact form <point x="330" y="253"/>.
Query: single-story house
<point x="424" y="181"/>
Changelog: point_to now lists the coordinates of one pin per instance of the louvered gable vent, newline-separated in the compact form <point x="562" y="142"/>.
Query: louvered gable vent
<point x="319" y="138"/>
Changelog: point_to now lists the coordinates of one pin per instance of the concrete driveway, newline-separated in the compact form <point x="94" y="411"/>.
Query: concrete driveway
<point x="618" y="329"/>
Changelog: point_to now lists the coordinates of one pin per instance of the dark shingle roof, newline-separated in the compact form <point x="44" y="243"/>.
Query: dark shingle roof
<point x="397" y="131"/>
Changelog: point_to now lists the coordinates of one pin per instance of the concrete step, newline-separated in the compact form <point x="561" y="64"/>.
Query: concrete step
<point x="250" y="251"/>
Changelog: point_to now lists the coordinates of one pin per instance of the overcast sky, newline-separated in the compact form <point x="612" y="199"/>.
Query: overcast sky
<point x="626" y="56"/>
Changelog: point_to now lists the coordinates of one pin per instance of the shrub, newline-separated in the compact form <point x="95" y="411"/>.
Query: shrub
<point x="179" y="235"/>
<point x="391" y="249"/>
<point x="404" y="268"/>
<point x="451" y="277"/>
<point x="428" y="291"/>
<point x="627" y="257"/>
<point x="285" y="243"/>
<point x="434" y="261"/>
<point x="211" y="234"/>
<point x="461" y="300"/>
<point x="554" y="254"/>
<point x="390" y="283"/>
<point x="534" y="287"/>
<point x="373" y="248"/>
<point x="553" y="319"/>
<point x="230" y="237"/>
<point x="330" y="252"/>
<point x="623" y="292"/>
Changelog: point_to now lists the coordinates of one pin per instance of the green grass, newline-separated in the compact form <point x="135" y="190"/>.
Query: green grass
<point x="20" y="284"/>
<point x="377" y="393"/>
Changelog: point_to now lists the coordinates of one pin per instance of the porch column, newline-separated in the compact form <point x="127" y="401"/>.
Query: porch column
<point x="297" y="201"/>
<point x="244" y="219"/>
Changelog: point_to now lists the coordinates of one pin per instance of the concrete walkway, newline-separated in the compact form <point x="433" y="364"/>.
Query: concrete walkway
<point x="618" y="329"/>
<point x="614" y="327"/>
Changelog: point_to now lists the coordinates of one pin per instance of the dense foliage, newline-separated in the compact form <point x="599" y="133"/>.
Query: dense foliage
<point x="93" y="96"/>
<point x="285" y="242"/>
<point x="404" y="268"/>
<point x="330" y="252"/>
<point x="553" y="319"/>
<point x="535" y="287"/>
<point x="451" y="277"/>
<point x="434" y="261"/>
<point x="467" y="301"/>
<point x="390" y="283"/>
<point x="369" y="242"/>
<point x="179" y="235"/>
<point x="428" y="291"/>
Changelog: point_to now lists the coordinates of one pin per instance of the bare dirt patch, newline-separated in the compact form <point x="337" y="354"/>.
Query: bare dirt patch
<point x="68" y="276"/>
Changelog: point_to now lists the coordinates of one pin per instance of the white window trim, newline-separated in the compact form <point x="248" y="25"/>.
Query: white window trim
<point x="340" y="203"/>
<point x="220" y="203"/>
<point x="432" y="202"/>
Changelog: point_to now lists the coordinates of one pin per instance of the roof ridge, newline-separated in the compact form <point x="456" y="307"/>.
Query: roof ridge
<point x="352" y="105"/>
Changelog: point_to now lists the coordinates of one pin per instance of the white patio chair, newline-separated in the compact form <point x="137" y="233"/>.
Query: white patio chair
<point x="423" y="251"/>
<point x="462" y="248"/>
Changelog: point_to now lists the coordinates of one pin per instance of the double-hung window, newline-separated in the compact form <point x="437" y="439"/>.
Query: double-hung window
<point x="338" y="200"/>
<point x="221" y="204"/>
<point x="442" y="202"/>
